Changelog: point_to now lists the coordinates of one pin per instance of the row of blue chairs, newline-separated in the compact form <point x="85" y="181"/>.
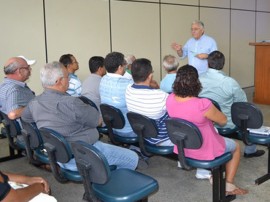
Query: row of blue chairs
<point x="186" y="135"/>
<point x="182" y="133"/>
<point x="101" y="181"/>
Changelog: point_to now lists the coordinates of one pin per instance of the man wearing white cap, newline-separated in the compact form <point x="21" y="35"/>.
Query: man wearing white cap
<point x="14" y="93"/>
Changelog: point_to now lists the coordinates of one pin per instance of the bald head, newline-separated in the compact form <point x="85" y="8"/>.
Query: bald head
<point x="13" y="64"/>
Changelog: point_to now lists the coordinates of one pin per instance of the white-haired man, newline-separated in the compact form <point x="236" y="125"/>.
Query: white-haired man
<point x="69" y="116"/>
<point x="197" y="48"/>
<point x="170" y="64"/>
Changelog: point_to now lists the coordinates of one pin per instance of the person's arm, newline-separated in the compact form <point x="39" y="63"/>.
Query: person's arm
<point x="202" y="56"/>
<point x="24" y="194"/>
<point x="178" y="49"/>
<point x="154" y="84"/>
<point x="216" y="116"/>
<point x="16" y="113"/>
<point x="36" y="186"/>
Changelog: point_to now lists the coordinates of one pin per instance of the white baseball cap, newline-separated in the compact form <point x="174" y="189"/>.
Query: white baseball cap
<point x="29" y="62"/>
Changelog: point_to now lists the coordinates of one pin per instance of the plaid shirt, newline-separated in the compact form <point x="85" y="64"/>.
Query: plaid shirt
<point x="14" y="94"/>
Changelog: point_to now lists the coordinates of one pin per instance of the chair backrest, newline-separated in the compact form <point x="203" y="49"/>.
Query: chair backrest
<point x="88" y="101"/>
<point x="112" y="116"/>
<point x="246" y="115"/>
<point x="91" y="163"/>
<point x="12" y="130"/>
<point x="142" y="125"/>
<point x="12" y="126"/>
<point x="184" y="134"/>
<point x="32" y="132"/>
<point x="56" y="142"/>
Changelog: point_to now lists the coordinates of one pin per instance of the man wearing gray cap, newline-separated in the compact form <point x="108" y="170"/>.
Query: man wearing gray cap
<point x="14" y="92"/>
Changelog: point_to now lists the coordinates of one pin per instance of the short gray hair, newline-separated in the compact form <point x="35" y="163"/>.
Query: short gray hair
<point x="170" y="63"/>
<point x="128" y="59"/>
<point x="50" y="73"/>
<point x="12" y="67"/>
<point x="198" y="22"/>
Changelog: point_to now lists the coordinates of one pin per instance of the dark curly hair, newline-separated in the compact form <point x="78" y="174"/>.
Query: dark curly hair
<point x="187" y="82"/>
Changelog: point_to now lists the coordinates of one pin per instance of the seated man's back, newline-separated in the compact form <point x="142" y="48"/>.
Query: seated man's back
<point x="221" y="88"/>
<point x="170" y="64"/>
<point x="113" y="87"/>
<point x="143" y="99"/>
<point x="90" y="86"/>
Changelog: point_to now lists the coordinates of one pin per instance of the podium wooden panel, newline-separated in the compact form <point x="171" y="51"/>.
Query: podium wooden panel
<point x="262" y="73"/>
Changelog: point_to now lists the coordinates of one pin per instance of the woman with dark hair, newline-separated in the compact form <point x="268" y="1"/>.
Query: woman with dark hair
<point x="185" y="104"/>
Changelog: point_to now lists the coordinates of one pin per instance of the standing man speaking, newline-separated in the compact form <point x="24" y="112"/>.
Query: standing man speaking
<point x="196" y="48"/>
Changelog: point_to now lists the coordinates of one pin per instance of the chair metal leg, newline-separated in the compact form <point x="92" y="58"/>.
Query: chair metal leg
<point x="216" y="185"/>
<point x="223" y="197"/>
<point x="219" y="185"/>
<point x="265" y="177"/>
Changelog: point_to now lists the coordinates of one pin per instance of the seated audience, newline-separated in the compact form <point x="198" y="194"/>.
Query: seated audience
<point x="75" y="85"/>
<point x="36" y="185"/>
<point x="143" y="99"/>
<point x="90" y="87"/>
<point x="217" y="86"/>
<point x="170" y="64"/>
<point x="129" y="60"/>
<point x="14" y="92"/>
<point x="113" y="87"/>
<point x="71" y="117"/>
<point x="185" y="104"/>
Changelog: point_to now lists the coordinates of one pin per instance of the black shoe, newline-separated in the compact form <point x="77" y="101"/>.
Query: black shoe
<point x="255" y="154"/>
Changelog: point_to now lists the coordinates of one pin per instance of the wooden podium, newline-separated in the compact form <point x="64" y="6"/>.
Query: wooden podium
<point x="262" y="73"/>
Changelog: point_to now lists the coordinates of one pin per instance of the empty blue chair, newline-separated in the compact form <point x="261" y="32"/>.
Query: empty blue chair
<point x="100" y="183"/>
<point x="145" y="127"/>
<point x="114" y="119"/>
<point x="59" y="150"/>
<point x="246" y="115"/>
<point x="185" y="134"/>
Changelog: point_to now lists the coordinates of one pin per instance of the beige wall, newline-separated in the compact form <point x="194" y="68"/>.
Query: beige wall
<point x="145" y="28"/>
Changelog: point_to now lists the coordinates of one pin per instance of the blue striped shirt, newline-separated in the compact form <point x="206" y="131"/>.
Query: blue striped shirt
<point x="112" y="91"/>
<point x="75" y="85"/>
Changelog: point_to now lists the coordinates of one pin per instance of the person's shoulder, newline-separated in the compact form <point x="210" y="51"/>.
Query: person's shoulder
<point x="203" y="103"/>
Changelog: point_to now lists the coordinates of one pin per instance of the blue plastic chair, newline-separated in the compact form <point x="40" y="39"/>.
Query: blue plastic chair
<point x="12" y="131"/>
<point x="145" y="127"/>
<point x="100" y="183"/>
<point x="36" y="153"/>
<point x="114" y="119"/>
<point x="185" y="134"/>
<point x="246" y="115"/>
<point x="59" y="150"/>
